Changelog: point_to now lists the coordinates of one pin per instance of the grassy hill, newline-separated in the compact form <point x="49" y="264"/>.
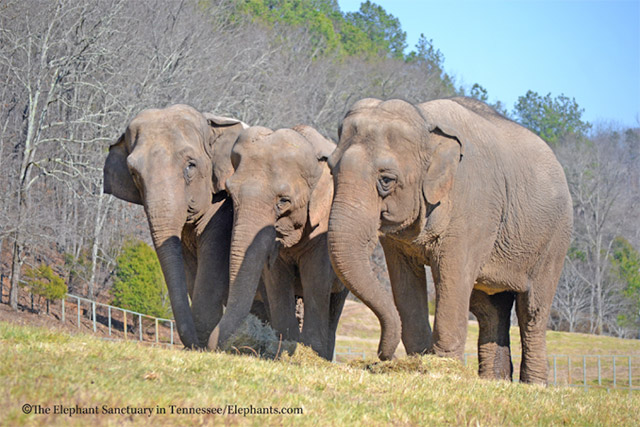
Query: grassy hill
<point x="81" y="372"/>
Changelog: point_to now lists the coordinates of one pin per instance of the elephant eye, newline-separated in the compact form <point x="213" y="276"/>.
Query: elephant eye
<point x="283" y="204"/>
<point x="386" y="183"/>
<point x="190" y="170"/>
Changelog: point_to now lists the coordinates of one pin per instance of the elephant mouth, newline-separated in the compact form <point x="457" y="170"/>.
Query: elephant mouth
<point x="390" y="225"/>
<point x="288" y="237"/>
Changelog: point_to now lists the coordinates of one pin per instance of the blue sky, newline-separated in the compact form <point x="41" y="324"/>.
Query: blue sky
<point x="588" y="50"/>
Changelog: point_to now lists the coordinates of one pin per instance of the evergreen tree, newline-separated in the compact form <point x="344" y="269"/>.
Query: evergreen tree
<point x="626" y="266"/>
<point x="551" y="118"/>
<point x="139" y="284"/>
<point x="381" y="27"/>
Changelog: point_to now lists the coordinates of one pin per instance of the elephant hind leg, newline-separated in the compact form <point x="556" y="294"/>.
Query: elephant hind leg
<point x="533" y="307"/>
<point x="533" y="325"/>
<point x="493" y="314"/>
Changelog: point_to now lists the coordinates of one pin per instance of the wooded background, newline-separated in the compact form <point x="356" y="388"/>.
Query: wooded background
<point x="78" y="70"/>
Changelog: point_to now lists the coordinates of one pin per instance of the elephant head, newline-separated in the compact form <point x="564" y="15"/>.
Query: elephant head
<point x="393" y="170"/>
<point x="165" y="160"/>
<point x="281" y="190"/>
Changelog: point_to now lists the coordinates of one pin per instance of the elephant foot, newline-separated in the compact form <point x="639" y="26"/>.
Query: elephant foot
<point x="451" y="354"/>
<point x="527" y="377"/>
<point x="212" y="343"/>
<point x="495" y="362"/>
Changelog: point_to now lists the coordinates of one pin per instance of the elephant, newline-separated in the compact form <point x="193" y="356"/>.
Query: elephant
<point x="174" y="161"/>
<point x="451" y="184"/>
<point x="281" y="191"/>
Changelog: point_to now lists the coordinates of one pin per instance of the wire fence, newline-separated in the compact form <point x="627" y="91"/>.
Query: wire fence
<point x="606" y="371"/>
<point x="109" y="321"/>
<point x="141" y="326"/>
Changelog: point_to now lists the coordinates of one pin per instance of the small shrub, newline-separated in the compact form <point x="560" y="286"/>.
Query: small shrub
<point x="45" y="283"/>
<point x="139" y="284"/>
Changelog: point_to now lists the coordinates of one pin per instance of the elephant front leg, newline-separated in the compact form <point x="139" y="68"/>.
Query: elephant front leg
<point x="317" y="279"/>
<point x="453" y="286"/>
<point x="279" y="283"/>
<point x="409" y="284"/>
<point x="211" y="282"/>
<point x="493" y="313"/>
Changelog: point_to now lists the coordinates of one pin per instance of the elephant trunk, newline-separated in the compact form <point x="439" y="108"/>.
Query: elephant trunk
<point x="166" y="229"/>
<point x="252" y="241"/>
<point x="352" y="236"/>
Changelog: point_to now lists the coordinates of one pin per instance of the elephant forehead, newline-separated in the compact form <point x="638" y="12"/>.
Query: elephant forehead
<point x="380" y="128"/>
<point x="173" y="134"/>
<point x="278" y="151"/>
<point x="289" y="141"/>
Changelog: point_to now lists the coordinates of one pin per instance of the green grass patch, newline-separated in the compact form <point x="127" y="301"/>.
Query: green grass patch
<point x="47" y="368"/>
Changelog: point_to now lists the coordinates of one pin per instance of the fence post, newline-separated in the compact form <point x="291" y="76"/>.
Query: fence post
<point x="629" y="372"/>
<point x="140" y="325"/>
<point x="569" y="363"/>
<point x="78" y="306"/>
<point x="93" y="314"/>
<point x="171" y="323"/>
<point x="555" y="370"/>
<point x="599" y="371"/>
<point x="157" y="330"/>
<point x="63" y="298"/>
<point x="109" y="316"/>
<point x="584" y="371"/>
<point x="124" y="314"/>
<point x="614" y="371"/>
<point x="1" y="287"/>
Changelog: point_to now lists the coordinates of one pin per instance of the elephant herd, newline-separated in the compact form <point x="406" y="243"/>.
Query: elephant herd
<point x="244" y="219"/>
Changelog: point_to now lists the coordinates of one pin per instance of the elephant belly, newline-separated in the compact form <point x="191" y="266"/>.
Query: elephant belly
<point x="489" y="288"/>
<point x="496" y="278"/>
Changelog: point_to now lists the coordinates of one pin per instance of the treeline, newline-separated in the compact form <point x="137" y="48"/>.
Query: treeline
<point x="78" y="70"/>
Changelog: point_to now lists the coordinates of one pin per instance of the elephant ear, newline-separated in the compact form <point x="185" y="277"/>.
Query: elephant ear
<point x="321" y="198"/>
<point x="117" y="178"/>
<point x="322" y="193"/>
<point x="323" y="147"/>
<point x="442" y="170"/>
<point x="224" y="132"/>
<point x="450" y="127"/>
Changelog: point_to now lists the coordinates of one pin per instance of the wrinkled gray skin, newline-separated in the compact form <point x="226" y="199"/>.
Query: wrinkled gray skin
<point x="282" y="190"/>
<point x="166" y="161"/>
<point x="481" y="200"/>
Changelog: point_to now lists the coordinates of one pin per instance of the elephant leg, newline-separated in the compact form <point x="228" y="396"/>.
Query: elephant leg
<point x="409" y="285"/>
<point x="190" y="269"/>
<point x="279" y="283"/>
<point x="453" y="284"/>
<point x="212" y="276"/>
<point x="260" y="306"/>
<point x="493" y="313"/>
<point x="533" y="307"/>
<point x="533" y="326"/>
<point x="336" y="304"/>
<point x="316" y="276"/>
